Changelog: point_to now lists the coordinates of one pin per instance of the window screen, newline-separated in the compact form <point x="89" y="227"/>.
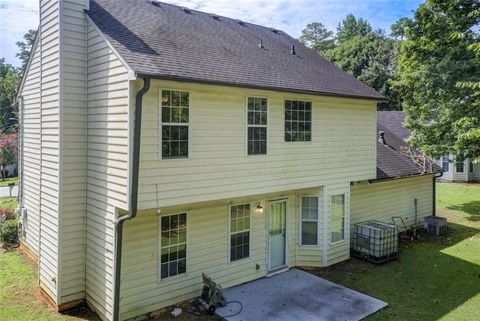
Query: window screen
<point x="257" y="126"/>
<point x="173" y="245"/>
<point x="309" y="214"/>
<point x="239" y="232"/>
<point x="298" y="121"/>
<point x="175" y="119"/>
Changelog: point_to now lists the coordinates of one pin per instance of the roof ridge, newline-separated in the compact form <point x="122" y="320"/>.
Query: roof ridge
<point x="211" y="14"/>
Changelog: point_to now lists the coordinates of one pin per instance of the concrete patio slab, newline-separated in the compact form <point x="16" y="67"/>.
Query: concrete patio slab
<point x="297" y="296"/>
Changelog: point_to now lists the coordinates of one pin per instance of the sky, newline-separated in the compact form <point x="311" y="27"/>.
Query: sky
<point x="18" y="16"/>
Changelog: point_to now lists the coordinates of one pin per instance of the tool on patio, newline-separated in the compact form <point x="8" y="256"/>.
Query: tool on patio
<point x="212" y="295"/>
<point x="375" y="241"/>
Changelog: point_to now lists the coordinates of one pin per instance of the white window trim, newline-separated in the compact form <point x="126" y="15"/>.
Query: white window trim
<point x="311" y="122"/>
<point x="301" y="221"/>
<point x="159" y="249"/>
<point x="159" y="103"/>
<point x="230" y="233"/>
<point x="344" y="219"/>
<point x="447" y="161"/>
<point x="456" y="170"/>
<point x="260" y="126"/>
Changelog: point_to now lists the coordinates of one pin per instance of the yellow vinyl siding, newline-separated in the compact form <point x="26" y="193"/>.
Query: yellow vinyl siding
<point x="73" y="167"/>
<point x="50" y="145"/>
<point x="381" y="201"/>
<point x="342" y="147"/>
<point x="107" y="165"/>
<point x="207" y="252"/>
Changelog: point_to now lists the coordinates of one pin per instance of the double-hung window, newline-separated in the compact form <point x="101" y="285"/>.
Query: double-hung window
<point x="239" y="232"/>
<point x="257" y="126"/>
<point x="445" y="163"/>
<point x="309" y="227"/>
<point x="175" y="120"/>
<point x="173" y="245"/>
<point x="470" y="167"/>
<point x="337" y="226"/>
<point x="460" y="166"/>
<point x="298" y="121"/>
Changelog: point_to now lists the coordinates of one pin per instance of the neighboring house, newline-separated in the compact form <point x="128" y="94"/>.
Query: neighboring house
<point x="458" y="171"/>
<point x="160" y="142"/>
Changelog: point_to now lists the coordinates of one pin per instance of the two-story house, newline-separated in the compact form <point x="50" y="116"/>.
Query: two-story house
<point x="159" y="142"/>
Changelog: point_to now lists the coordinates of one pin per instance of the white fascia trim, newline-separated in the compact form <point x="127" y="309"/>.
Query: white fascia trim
<point x="131" y="73"/>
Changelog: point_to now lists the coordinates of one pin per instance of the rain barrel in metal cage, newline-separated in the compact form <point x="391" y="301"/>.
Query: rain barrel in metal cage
<point x="375" y="241"/>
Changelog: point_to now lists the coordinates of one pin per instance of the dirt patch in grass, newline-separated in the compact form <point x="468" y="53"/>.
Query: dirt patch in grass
<point x="188" y="314"/>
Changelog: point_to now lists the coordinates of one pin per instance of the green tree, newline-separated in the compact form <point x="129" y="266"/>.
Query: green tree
<point x="371" y="59"/>
<point x="444" y="116"/>
<point x="317" y="37"/>
<point x="9" y="81"/>
<point x="25" y="46"/>
<point x="352" y="27"/>
<point x="399" y="28"/>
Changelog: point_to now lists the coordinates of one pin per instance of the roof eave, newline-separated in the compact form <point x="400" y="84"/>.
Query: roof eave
<point x="29" y="62"/>
<point x="391" y="178"/>
<point x="242" y="85"/>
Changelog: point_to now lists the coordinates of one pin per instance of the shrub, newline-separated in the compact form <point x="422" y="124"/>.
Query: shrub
<point x="8" y="150"/>
<point x="7" y="214"/>
<point x="9" y="233"/>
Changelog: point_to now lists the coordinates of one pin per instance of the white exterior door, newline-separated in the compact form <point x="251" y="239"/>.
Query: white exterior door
<point x="277" y="236"/>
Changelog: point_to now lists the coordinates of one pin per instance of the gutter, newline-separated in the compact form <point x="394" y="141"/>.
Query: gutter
<point x="434" y="198"/>
<point x="259" y="87"/>
<point x="380" y="180"/>
<point x="133" y="196"/>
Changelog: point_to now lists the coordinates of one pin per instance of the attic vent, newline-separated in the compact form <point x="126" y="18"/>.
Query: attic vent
<point x="186" y="10"/>
<point x="156" y="3"/>
<point x="381" y="138"/>
<point x="215" y="17"/>
<point x="240" y="22"/>
<point x="292" y="50"/>
<point x="275" y="31"/>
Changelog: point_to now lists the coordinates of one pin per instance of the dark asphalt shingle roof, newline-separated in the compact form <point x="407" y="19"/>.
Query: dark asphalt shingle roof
<point x="391" y="163"/>
<point x="394" y="120"/>
<point x="166" y="42"/>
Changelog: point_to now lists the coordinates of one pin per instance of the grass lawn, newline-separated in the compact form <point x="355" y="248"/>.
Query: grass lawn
<point x="8" y="180"/>
<point x="19" y="294"/>
<point x="8" y="202"/>
<point x="435" y="278"/>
